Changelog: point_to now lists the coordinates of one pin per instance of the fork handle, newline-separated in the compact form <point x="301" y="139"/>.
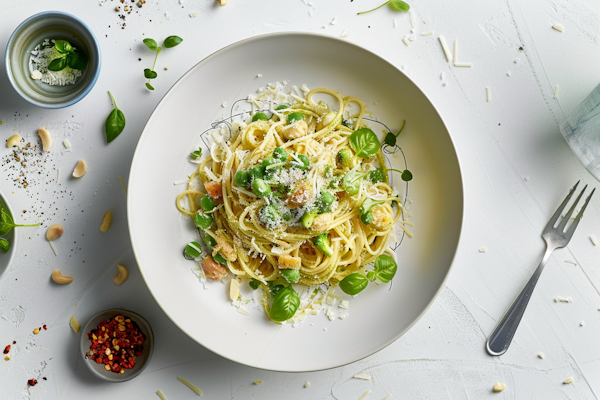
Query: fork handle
<point x="503" y="333"/>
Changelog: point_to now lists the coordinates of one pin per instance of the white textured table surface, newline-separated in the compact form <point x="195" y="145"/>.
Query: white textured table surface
<point x="516" y="168"/>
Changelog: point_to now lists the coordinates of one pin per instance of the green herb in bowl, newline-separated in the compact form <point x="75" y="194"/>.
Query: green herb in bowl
<point x="56" y="62"/>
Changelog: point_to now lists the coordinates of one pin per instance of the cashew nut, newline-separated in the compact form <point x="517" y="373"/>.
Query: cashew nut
<point x="46" y="138"/>
<point x="60" y="278"/>
<point x="74" y="324"/>
<point x="54" y="231"/>
<point x="498" y="387"/>
<point x="80" y="169"/>
<point x="14" y="141"/>
<point x="106" y="221"/>
<point x="122" y="275"/>
<point x="234" y="290"/>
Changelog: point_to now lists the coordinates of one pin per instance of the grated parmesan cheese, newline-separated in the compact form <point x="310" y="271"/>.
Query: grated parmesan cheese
<point x="306" y="384"/>
<point x="406" y="40"/>
<point x="181" y="182"/>
<point x="363" y="376"/>
<point x="413" y="19"/>
<point x="194" y="14"/>
<point x="541" y="355"/>
<point x="242" y="311"/>
<point x="488" y="94"/>
<point x="467" y="65"/>
<point x="445" y="48"/>
<point x="345" y="34"/>
<point x="563" y="299"/>
<point x="556" y="92"/>
<point x="67" y="144"/>
<point x="365" y="395"/>
<point x="387" y="397"/>
<point x="53" y="248"/>
<point x="558" y="27"/>
<point x="161" y="395"/>
<point x="57" y="175"/>
<point x="594" y="240"/>
<point x="569" y="380"/>
<point x="455" y="52"/>
<point x="344" y="304"/>
<point x="427" y="33"/>
<point x="483" y="249"/>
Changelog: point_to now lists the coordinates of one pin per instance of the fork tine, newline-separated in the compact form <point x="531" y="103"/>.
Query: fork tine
<point x="563" y="223"/>
<point x="561" y="208"/>
<point x="573" y="226"/>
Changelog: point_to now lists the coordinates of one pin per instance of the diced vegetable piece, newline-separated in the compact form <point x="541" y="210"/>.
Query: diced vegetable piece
<point x="207" y="203"/>
<point x="322" y="243"/>
<point x="259" y="116"/>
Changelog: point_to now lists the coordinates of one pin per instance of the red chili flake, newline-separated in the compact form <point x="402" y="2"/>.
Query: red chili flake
<point x="32" y="382"/>
<point x="116" y="342"/>
<point x="44" y="327"/>
<point x="7" y="349"/>
<point x="14" y="342"/>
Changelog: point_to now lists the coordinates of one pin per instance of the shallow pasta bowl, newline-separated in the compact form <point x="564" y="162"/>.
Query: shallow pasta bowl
<point x="376" y="317"/>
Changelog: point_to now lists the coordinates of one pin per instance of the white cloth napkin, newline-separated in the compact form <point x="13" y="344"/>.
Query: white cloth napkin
<point x="581" y="130"/>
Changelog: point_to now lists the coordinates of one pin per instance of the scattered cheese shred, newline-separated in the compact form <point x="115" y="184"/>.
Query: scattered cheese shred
<point x="541" y="355"/>
<point x="488" y="94"/>
<point x="67" y="144"/>
<point x="483" y="249"/>
<point x="242" y="311"/>
<point x="161" y="395"/>
<point x="556" y="92"/>
<point x="306" y="384"/>
<point x="365" y="395"/>
<point x="344" y="304"/>
<point x="427" y="33"/>
<point x="406" y="41"/>
<point x="387" y="397"/>
<point x="563" y="299"/>
<point x="181" y="182"/>
<point x="455" y="52"/>
<point x="558" y="27"/>
<point x="190" y="385"/>
<point x="258" y="382"/>
<point x="570" y="380"/>
<point x="345" y="34"/>
<point x="463" y="64"/>
<point x="362" y="376"/>
<point x="194" y="14"/>
<point x="445" y="48"/>
<point x="74" y="324"/>
<point x="594" y="240"/>
<point x="123" y="186"/>
<point x="498" y="387"/>
<point x="53" y="248"/>
<point x="413" y="19"/>
<point x="57" y="175"/>
<point x="582" y="323"/>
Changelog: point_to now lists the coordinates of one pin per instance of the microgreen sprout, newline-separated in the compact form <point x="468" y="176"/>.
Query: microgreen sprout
<point x="390" y="138"/>
<point x="169" y="42"/>
<point x="70" y="57"/>
<point x="397" y="5"/>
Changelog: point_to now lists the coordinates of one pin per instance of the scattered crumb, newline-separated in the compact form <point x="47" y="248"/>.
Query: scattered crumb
<point x="488" y="94"/>
<point x="563" y="299"/>
<point x="224" y="104"/>
<point x="498" y="387"/>
<point x="556" y="92"/>
<point x="345" y="34"/>
<point x="406" y="40"/>
<point x="257" y="382"/>
<point x="582" y="323"/>
<point x="75" y="324"/>
<point x="516" y="60"/>
<point x="558" y="27"/>
<point x="194" y="14"/>
<point x="7" y="358"/>
<point x="483" y="249"/>
<point x="365" y="395"/>
<point x="594" y="240"/>
<point x="333" y="21"/>
<point x="427" y="33"/>
<point x="541" y="355"/>
<point x="508" y="73"/>
<point x="259" y="75"/>
<point x="569" y="380"/>
<point x="467" y="65"/>
<point x="387" y="397"/>
<point x="306" y="384"/>
<point x="445" y="48"/>
<point x="362" y="376"/>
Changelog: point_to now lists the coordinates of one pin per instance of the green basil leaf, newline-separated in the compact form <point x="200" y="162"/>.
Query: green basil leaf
<point x="6" y="222"/>
<point x="77" y="61"/>
<point x="372" y="276"/>
<point x="254" y="284"/>
<point x="4" y="245"/>
<point x="364" y="142"/>
<point x="62" y="46"/>
<point x="58" y="64"/>
<point x="385" y="267"/>
<point x="406" y="175"/>
<point x="149" y="74"/>
<point x="274" y="289"/>
<point x="149" y="86"/>
<point x="172" y="41"/>
<point x="354" y="283"/>
<point x="285" y="304"/>
<point x="151" y="44"/>
<point x="399" y="5"/>
<point x="390" y="139"/>
<point x="115" y="123"/>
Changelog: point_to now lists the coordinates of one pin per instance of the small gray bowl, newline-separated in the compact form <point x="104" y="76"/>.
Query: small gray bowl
<point x="6" y="258"/>
<point x="33" y="31"/>
<point x="141" y="361"/>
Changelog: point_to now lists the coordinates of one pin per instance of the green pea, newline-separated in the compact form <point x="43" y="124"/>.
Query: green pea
<point x="294" y="117"/>
<point x="242" y="178"/>
<point x="304" y="160"/>
<point x="282" y="107"/>
<point x="209" y="241"/>
<point x="260" y="115"/>
<point x="189" y="252"/>
<point x="260" y="188"/>
<point x="203" y="221"/>
<point x="219" y="258"/>
<point x="207" y="203"/>
<point x="327" y="199"/>
<point x="257" y="172"/>
<point x="280" y="154"/>
<point x="367" y="218"/>
<point x="269" y="161"/>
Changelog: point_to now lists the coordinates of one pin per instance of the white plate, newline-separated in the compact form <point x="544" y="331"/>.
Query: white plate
<point x="378" y="316"/>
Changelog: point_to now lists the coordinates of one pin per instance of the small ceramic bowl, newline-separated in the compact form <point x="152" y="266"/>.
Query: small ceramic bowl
<point x="6" y="258"/>
<point x="141" y="361"/>
<point x="33" y="31"/>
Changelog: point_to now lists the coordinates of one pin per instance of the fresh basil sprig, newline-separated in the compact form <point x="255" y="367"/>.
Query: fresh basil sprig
<point x="397" y="5"/>
<point x="365" y="143"/>
<point x="354" y="283"/>
<point x="285" y="304"/>
<point x="169" y="42"/>
<point x="115" y="123"/>
<point x="385" y="269"/>
<point x="7" y="223"/>
<point x="390" y="138"/>
<point x="196" y="155"/>
<point x="70" y="56"/>
<point x="254" y="284"/>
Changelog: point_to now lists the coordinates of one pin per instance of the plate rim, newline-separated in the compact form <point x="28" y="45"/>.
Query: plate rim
<point x="334" y="38"/>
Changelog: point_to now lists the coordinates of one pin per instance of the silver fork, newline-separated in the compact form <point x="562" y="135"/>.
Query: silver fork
<point x="555" y="238"/>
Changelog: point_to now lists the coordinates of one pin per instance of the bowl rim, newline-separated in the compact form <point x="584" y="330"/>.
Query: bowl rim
<point x="13" y="246"/>
<point x="95" y="47"/>
<point x="461" y="190"/>
<point x="84" y="343"/>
